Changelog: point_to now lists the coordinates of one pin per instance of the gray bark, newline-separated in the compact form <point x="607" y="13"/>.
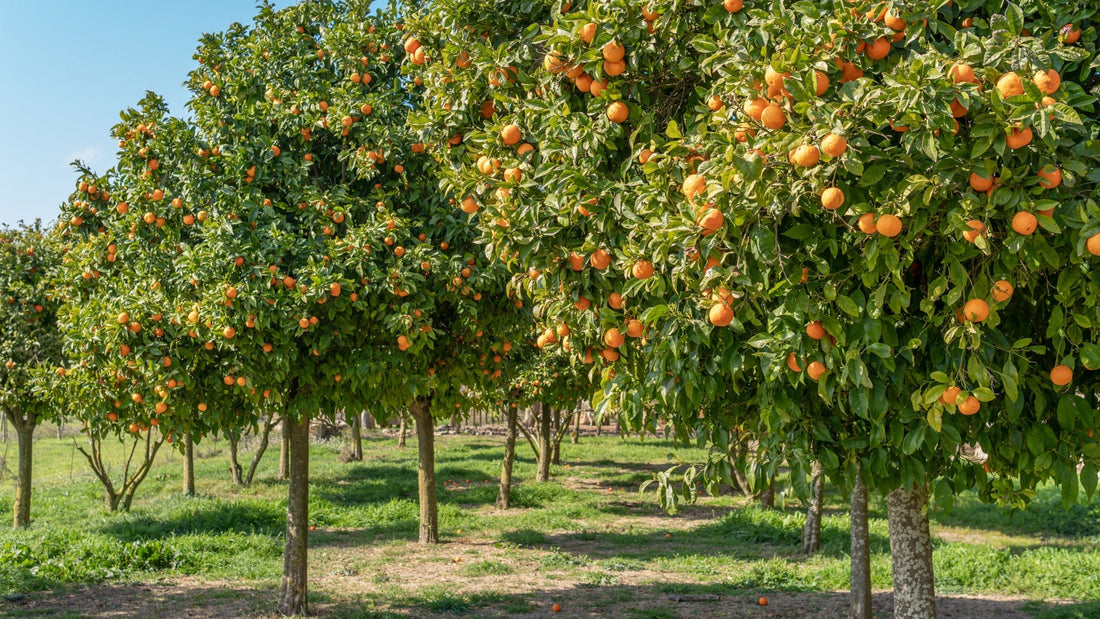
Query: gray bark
<point x="859" y="595"/>
<point x="24" y="425"/>
<point x="504" y="496"/>
<point x="911" y="550"/>
<point x="356" y="439"/>
<point x="234" y="464"/>
<point x="545" y="413"/>
<point x="284" y="452"/>
<point x="421" y="410"/>
<point x="294" y="586"/>
<point x="811" y="533"/>
<point x="403" y="430"/>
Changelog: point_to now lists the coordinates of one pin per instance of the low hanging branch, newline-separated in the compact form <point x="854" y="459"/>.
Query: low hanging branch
<point x="130" y="482"/>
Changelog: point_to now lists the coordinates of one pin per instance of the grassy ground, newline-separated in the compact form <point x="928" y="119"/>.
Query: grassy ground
<point x="586" y="541"/>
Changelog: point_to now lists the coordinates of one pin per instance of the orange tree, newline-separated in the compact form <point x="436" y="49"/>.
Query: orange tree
<point x="891" y="192"/>
<point x="311" y="263"/>
<point x="30" y="346"/>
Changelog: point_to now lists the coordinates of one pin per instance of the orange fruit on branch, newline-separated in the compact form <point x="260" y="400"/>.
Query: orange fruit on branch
<point x="1001" y="290"/>
<point x="720" y="315"/>
<point x="1061" y="375"/>
<point x="1024" y="223"/>
<point x="976" y="310"/>
<point x="970" y="406"/>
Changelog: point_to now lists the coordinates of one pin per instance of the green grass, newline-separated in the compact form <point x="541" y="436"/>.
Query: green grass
<point x="566" y="533"/>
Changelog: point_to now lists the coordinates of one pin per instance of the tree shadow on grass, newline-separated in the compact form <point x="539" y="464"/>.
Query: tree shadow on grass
<point x="747" y="533"/>
<point x="664" y="601"/>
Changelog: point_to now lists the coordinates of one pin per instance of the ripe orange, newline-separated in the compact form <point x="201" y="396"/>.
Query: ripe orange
<point x="867" y="223"/>
<point x="763" y="601"/>
<point x="815" y="330"/>
<point x="556" y="608"/>
<point x="615" y="301"/>
<point x="1010" y="85"/>
<point x="694" y="185"/>
<point x="588" y="32"/>
<point x="711" y="220"/>
<point x="950" y="396"/>
<point x="832" y="198"/>
<point x="815" y="370"/>
<point x="613" y="338"/>
<point x="792" y="363"/>
<point x="1001" y="290"/>
<point x="879" y="49"/>
<point x="1018" y="138"/>
<point x="1024" y="223"/>
<point x="979" y="184"/>
<point x="889" y="225"/>
<point x="613" y="51"/>
<point x="773" y="117"/>
<point x="821" y="83"/>
<point x="1047" y="81"/>
<point x="754" y="108"/>
<point x="715" y="103"/>
<point x="720" y="315"/>
<point x="469" y="206"/>
<point x="977" y="228"/>
<point x="510" y="135"/>
<point x="1061" y="375"/>
<point x="1050" y="177"/>
<point x="600" y="259"/>
<point x="976" y="310"/>
<point x="634" y="327"/>
<point x="1069" y="34"/>
<point x="1093" y="244"/>
<point x="834" y="145"/>
<point x="618" y="112"/>
<point x="970" y="406"/>
<point x="806" y="156"/>
<point x="734" y="6"/>
<point x="961" y="72"/>
<point x="642" y="269"/>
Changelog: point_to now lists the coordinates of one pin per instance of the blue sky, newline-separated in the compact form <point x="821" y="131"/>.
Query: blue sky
<point x="70" y="66"/>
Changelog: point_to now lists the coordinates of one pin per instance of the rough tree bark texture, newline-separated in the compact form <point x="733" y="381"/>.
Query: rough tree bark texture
<point x="911" y="550"/>
<point x="284" y="452"/>
<point x="264" y="438"/>
<point x="767" y="497"/>
<point x="403" y="431"/>
<point x="24" y="431"/>
<point x="811" y="533"/>
<point x="859" y="596"/>
<point x="545" y="455"/>
<point x="356" y="439"/>
<point x="234" y="464"/>
<point x="421" y="410"/>
<point x="504" y="497"/>
<point x="294" y="586"/>
<point x="188" y="465"/>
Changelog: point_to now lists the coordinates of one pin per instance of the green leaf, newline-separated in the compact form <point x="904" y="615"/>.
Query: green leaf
<point x="847" y="305"/>
<point x="873" y="174"/>
<point x="673" y="131"/>
<point x="1015" y="19"/>
<point x="1067" y="412"/>
<point x="935" y="418"/>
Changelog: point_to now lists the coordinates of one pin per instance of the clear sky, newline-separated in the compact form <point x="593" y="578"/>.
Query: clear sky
<point x="67" y="67"/>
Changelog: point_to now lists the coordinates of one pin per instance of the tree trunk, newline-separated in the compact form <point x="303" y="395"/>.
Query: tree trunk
<point x="24" y="431"/>
<point x="575" y="436"/>
<point x="367" y="421"/>
<point x="555" y="453"/>
<point x="545" y="413"/>
<point x="737" y="476"/>
<point x="767" y="497"/>
<point x="234" y="465"/>
<point x="284" y="452"/>
<point x="356" y="439"/>
<point x="403" y="431"/>
<point x="264" y="438"/>
<point x="811" y="533"/>
<point x="504" y="497"/>
<point x="294" y="587"/>
<point x="188" y="465"/>
<point x="859" y="596"/>
<point x="421" y="410"/>
<point x="911" y="550"/>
